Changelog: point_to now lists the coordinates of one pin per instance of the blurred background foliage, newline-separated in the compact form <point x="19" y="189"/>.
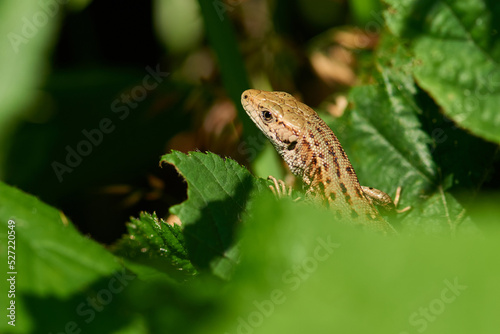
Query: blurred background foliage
<point x="62" y="75"/>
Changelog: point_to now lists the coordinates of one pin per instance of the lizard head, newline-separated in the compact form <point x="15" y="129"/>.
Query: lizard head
<point x="278" y="115"/>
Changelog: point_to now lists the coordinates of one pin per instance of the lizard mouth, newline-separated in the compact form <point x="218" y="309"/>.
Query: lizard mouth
<point x="247" y="102"/>
<point x="250" y="106"/>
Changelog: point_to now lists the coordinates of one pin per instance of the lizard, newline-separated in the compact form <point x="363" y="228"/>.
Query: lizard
<point x="314" y="154"/>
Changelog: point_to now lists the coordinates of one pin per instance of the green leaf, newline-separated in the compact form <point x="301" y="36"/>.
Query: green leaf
<point x="155" y="243"/>
<point x="388" y="146"/>
<point x="137" y="325"/>
<point x="25" y="47"/>
<point x="296" y="277"/>
<point x="456" y="45"/>
<point x="49" y="247"/>
<point x="218" y="195"/>
<point x="51" y="257"/>
<point x="171" y="308"/>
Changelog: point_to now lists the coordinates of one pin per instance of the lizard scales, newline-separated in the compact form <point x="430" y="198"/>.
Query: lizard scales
<point x="313" y="153"/>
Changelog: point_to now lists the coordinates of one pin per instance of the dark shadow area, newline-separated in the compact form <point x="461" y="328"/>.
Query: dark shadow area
<point x="494" y="28"/>
<point x="464" y="159"/>
<point x="97" y="142"/>
<point x="123" y="300"/>
<point x="100" y="309"/>
<point x="415" y="24"/>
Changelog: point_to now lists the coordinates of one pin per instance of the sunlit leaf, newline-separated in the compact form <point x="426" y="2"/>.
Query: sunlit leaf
<point x="457" y="48"/>
<point x="218" y="194"/>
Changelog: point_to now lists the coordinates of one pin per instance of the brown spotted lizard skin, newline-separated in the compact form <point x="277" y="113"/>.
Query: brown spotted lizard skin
<point x="314" y="154"/>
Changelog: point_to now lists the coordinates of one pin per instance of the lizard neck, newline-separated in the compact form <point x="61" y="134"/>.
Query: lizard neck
<point x="318" y="156"/>
<point x="320" y="161"/>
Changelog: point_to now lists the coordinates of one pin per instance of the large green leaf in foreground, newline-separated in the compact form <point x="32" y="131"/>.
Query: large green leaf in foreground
<point x="457" y="50"/>
<point x="49" y="247"/>
<point x="218" y="195"/>
<point x="302" y="272"/>
<point x="52" y="258"/>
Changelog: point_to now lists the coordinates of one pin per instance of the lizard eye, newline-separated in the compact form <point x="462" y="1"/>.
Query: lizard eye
<point x="267" y="116"/>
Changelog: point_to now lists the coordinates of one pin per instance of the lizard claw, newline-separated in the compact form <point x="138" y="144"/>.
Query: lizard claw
<point x="396" y="202"/>
<point x="279" y="188"/>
